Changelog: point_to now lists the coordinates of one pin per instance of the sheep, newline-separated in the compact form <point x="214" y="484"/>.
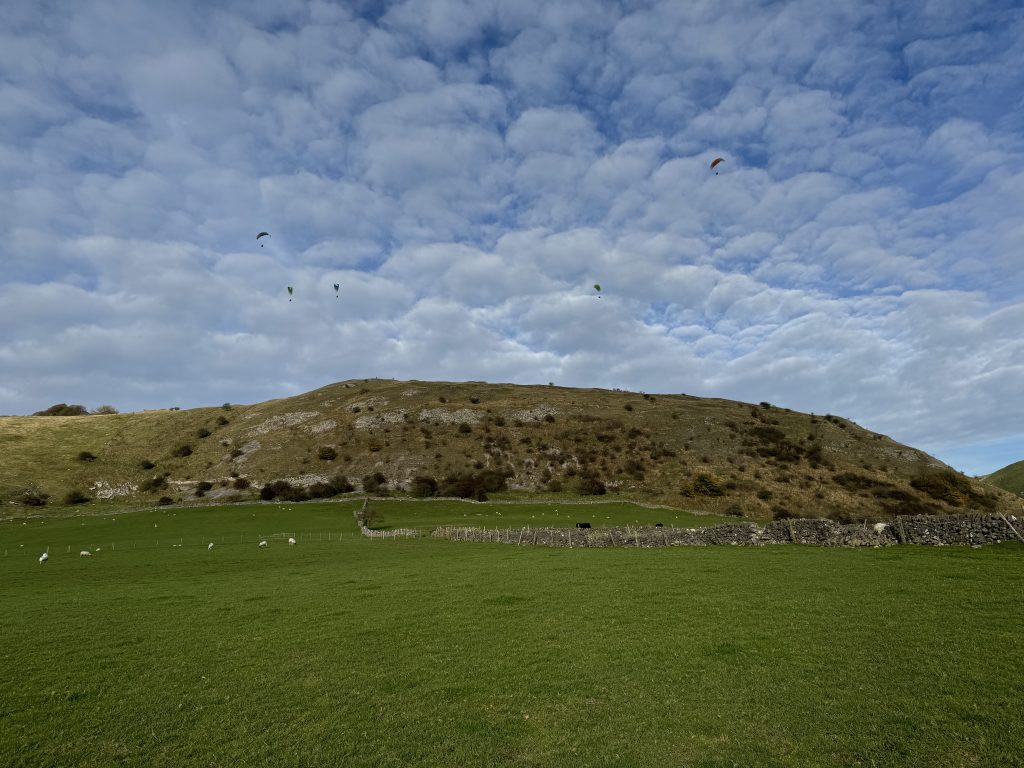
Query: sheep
<point x="880" y="527"/>
<point x="263" y="543"/>
<point x="44" y="557"/>
<point x="209" y="546"/>
<point x="85" y="553"/>
<point x="291" y="541"/>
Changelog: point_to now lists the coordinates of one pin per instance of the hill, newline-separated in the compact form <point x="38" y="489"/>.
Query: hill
<point x="1009" y="478"/>
<point x="702" y="454"/>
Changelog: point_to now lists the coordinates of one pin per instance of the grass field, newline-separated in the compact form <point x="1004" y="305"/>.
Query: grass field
<point x="360" y="652"/>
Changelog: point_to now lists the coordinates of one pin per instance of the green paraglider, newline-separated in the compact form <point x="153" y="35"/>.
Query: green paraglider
<point x="290" y="290"/>
<point x="597" y="287"/>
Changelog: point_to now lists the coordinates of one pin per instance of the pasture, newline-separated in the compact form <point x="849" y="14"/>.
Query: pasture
<point x="367" y="652"/>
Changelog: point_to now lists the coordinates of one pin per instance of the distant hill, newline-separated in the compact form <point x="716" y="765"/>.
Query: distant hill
<point x="1009" y="478"/>
<point x="703" y="454"/>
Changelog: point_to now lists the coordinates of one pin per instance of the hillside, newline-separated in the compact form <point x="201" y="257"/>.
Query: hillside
<point x="1009" y="478"/>
<point x="697" y="453"/>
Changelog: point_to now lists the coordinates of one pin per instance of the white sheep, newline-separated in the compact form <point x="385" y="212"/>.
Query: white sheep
<point x="209" y="546"/>
<point x="44" y="557"/>
<point x="85" y="553"/>
<point x="291" y="541"/>
<point x="880" y="527"/>
<point x="263" y="543"/>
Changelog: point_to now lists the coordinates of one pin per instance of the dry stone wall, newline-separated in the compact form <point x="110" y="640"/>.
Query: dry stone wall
<point x="928" y="530"/>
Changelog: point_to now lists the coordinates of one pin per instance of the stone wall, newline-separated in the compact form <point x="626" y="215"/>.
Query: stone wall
<point x="936" y="531"/>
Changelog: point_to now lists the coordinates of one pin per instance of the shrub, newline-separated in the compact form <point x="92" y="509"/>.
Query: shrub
<point x="588" y="485"/>
<point x="474" y="400"/>
<point x="781" y="513"/>
<point x="181" y="451"/>
<point x="221" y="421"/>
<point x="336" y="485"/>
<point x="105" y="410"/>
<point x="241" y="483"/>
<point x="226" y="406"/>
<point x="499" y="421"/>
<point x="550" y="419"/>
<point x="464" y="428"/>
<point x="702" y="485"/>
<point x="63" y="409"/>
<point x="33" y="498"/>
<point x="764" y="494"/>
<point x="204" y="485"/>
<point x="734" y="510"/>
<point x="281" y="489"/>
<point x="153" y="484"/>
<point x="628" y="406"/>
<point x="423" y="486"/>
<point x="75" y="496"/>
<point x="555" y="485"/>
<point x="203" y="432"/>
<point x="373" y="482"/>
<point x="163" y="501"/>
<point x="951" y="488"/>
<point x="146" y="464"/>
<point x="326" y="453"/>
<point x="473" y="485"/>
<point x="86" y="456"/>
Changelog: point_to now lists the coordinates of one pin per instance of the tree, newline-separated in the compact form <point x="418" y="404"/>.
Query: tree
<point x="423" y="486"/>
<point x="373" y="482"/>
<point x="105" y="410"/>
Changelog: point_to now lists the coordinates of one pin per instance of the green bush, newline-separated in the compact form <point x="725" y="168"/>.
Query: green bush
<point x="153" y="484"/>
<point x="423" y="486"/>
<point x="86" y="456"/>
<point x="702" y="485"/>
<point x="165" y="500"/>
<point x="588" y="485"/>
<point x="373" y="482"/>
<point x="181" y="451"/>
<point x="105" y="410"/>
<point x="241" y="483"/>
<point x="283" y="490"/>
<point x="326" y="453"/>
<point x="203" y="432"/>
<point x="33" y="498"/>
<point x="146" y="464"/>
<point x="75" y="496"/>
<point x="63" y="409"/>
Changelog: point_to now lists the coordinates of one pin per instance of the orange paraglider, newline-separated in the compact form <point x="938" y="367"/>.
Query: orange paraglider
<point x="715" y="162"/>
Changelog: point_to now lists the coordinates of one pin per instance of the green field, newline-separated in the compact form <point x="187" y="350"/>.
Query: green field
<point x="357" y="652"/>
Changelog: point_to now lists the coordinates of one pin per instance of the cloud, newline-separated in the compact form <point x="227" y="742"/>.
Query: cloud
<point x="466" y="170"/>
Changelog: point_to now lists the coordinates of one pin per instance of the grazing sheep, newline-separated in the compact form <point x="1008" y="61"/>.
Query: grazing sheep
<point x="209" y="546"/>
<point x="44" y="557"/>
<point x="263" y="544"/>
<point x="291" y="541"/>
<point x="85" y="553"/>
<point x="880" y="527"/>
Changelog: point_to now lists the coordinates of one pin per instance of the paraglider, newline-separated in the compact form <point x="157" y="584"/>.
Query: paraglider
<point x="597" y="287"/>
<point x="290" y="289"/>
<point x="336" y="287"/>
<point x="262" y="234"/>
<point x="715" y="162"/>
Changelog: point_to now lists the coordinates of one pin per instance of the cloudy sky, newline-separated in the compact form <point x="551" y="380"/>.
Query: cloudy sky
<point x="467" y="170"/>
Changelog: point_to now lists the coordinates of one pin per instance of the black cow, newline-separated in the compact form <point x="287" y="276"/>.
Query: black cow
<point x="658" y="525"/>
<point x="582" y="525"/>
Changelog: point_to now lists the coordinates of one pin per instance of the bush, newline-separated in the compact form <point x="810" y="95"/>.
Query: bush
<point x="226" y="406"/>
<point x="555" y="485"/>
<point x="236" y="452"/>
<point x="163" y="501"/>
<point x="702" y="485"/>
<point x="86" y="456"/>
<point x="282" y="489"/>
<point x="734" y="510"/>
<point x="181" y="451"/>
<point x="423" y="486"/>
<point x="464" y="428"/>
<point x="33" y="498"/>
<point x="75" y="496"/>
<point x="326" y="453"/>
<point x="63" y="409"/>
<point x="204" y="485"/>
<point x="241" y="483"/>
<point x="781" y="513"/>
<point x="336" y="485"/>
<point x="105" y="410"/>
<point x="373" y="482"/>
<point x="146" y="464"/>
<point x="221" y="421"/>
<point x="549" y="418"/>
<point x="473" y="485"/>
<point x="588" y="485"/>
<point x="153" y="484"/>
<point x="203" y="432"/>
<point x="951" y="488"/>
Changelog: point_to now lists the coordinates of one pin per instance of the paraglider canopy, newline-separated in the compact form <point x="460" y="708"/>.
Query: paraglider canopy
<point x="290" y="289"/>
<point x="597" y="287"/>
<point x="716" y="161"/>
<point x="336" y="287"/>
<point x="262" y="234"/>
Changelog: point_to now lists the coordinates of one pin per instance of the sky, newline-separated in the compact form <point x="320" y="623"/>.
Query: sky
<point x="467" y="170"/>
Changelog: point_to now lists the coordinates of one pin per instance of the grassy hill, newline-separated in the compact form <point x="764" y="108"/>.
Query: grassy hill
<point x="702" y="454"/>
<point x="1009" y="478"/>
